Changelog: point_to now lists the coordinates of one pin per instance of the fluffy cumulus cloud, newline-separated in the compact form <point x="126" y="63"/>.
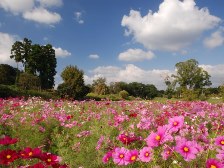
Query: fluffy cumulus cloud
<point x="94" y="56"/>
<point x="17" y="6"/>
<point x="6" y="43"/>
<point x="34" y="10"/>
<point x="215" y="40"/>
<point x="42" y="15"/>
<point x="135" y="55"/>
<point x="130" y="73"/>
<point x="174" y="26"/>
<point x="78" y="17"/>
<point x="216" y="72"/>
<point x="59" y="52"/>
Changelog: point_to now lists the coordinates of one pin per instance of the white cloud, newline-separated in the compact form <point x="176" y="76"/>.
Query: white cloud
<point x="16" y="6"/>
<point x="6" y="43"/>
<point x="215" y="40"/>
<point x="42" y="15"/>
<point x="135" y="55"/>
<point x="130" y="73"/>
<point x="216" y="72"/>
<point x="59" y="52"/>
<point x="94" y="56"/>
<point x="78" y="17"/>
<point x="50" y="3"/>
<point x="174" y="26"/>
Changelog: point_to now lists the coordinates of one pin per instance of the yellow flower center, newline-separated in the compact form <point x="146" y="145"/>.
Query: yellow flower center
<point x="8" y="156"/>
<point x="168" y="152"/>
<point x="133" y="158"/>
<point x="186" y="149"/>
<point x="124" y="139"/>
<point x="146" y="154"/>
<point x="158" y="137"/>
<point x="213" y="166"/>
<point x="30" y="153"/>
<point x="175" y="123"/>
<point x="222" y="142"/>
<point x="121" y="156"/>
<point x="49" y="160"/>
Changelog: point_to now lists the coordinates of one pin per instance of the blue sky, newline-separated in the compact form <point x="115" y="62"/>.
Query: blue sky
<point x="128" y="40"/>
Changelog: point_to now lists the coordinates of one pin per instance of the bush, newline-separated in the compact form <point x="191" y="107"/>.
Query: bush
<point x="124" y="94"/>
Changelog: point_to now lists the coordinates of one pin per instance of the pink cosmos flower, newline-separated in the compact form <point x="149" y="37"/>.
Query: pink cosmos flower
<point x="6" y="140"/>
<point x="131" y="156"/>
<point x="119" y="156"/>
<point x="213" y="163"/>
<point x="107" y="157"/>
<point x="161" y="136"/>
<point x="187" y="149"/>
<point x="167" y="153"/>
<point x="145" y="154"/>
<point x="175" y="123"/>
<point x="219" y="140"/>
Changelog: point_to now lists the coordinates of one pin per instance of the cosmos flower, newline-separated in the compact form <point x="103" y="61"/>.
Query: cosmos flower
<point x="161" y="136"/>
<point x="107" y="157"/>
<point x="119" y="156"/>
<point x="187" y="149"/>
<point x="175" y="123"/>
<point x="219" y="140"/>
<point x="131" y="156"/>
<point x="6" y="140"/>
<point x="145" y="154"/>
<point x="7" y="156"/>
<point x="213" y="163"/>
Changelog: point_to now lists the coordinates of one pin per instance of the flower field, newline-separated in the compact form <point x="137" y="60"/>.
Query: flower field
<point x="135" y="134"/>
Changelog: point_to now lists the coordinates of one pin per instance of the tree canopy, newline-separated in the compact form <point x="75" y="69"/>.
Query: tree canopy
<point x="191" y="76"/>
<point x="7" y="74"/>
<point x="37" y="60"/>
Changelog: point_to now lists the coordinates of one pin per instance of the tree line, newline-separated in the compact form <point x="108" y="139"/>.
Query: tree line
<point x="39" y="69"/>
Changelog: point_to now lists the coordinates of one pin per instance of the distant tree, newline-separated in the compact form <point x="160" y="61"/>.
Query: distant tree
<point x="73" y="85"/>
<point x="191" y="76"/>
<point x="115" y="87"/>
<point x="28" y="81"/>
<point x="99" y="86"/>
<point x="123" y="94"/>
<point x="150" y="91"/>
<point x="37" y="60"/>
<point x="7" y="74"/>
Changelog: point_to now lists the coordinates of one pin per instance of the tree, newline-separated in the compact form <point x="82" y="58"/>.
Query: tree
<point x="191" y="76"/>
<point x="7" y="74"/>
<point x="37" y="60"/>
<point x="73" y="85"/>
<point x="99" y="86"/>
<point x="28" y="81"/>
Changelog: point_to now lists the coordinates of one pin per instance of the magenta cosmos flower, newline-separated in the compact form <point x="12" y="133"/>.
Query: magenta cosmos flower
<point x="187" y="149"/>
<point x="159" y="137"/>
<point x="131" y="156"/>
<point x="119" y="156"/>
<point x="107" y="157"/>
<point x="219" y="140"/>
<point x="213" y="163"/>
<point x="145" y="155"/>
<point x="175" y="123"/>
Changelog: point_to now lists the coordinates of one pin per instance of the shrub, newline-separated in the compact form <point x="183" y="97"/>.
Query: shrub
<point x="124" y="94"/>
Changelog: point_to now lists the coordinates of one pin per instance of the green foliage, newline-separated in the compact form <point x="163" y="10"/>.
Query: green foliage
<point x="73" y="85"/>
<point x="190" y="75"/>
<point x="222" y="92"/>
<point x="28" y="81"/>
<point x="123" y="94"/>
<point x="37" y="60"/>
<point x="99" y="86"/>
<point x="7" y="74"/>
<point x="190" y="95"/>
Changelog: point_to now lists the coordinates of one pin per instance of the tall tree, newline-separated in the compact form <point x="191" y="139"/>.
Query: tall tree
<point x="73" y="85"/>
<point x="191" y="76"/>
<point x="37" y="60"/>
